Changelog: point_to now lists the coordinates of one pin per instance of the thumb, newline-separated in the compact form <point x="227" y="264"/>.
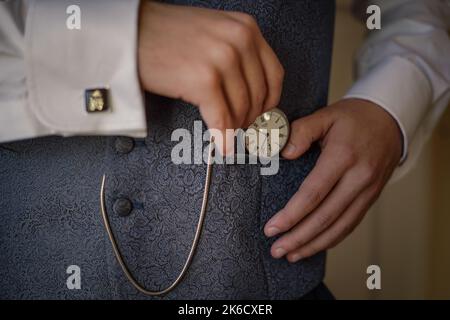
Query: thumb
<point x="305" y="131"/>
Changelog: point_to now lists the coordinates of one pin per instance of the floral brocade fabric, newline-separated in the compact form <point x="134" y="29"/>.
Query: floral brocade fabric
<point x="50" y="187"/>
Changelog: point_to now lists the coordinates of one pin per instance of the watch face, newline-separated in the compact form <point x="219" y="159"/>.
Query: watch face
<point x="268" y="135"/>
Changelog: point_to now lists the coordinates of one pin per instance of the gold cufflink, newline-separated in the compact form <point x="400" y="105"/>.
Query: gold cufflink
<point x="96" y="100"/>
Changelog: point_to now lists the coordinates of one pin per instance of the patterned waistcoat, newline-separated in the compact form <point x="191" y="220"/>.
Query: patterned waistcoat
<point x="50" y="187"/>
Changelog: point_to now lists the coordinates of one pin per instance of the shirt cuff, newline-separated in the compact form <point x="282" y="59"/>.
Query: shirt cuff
<point x="398" y="86"/>
<point x="62" y="63"/>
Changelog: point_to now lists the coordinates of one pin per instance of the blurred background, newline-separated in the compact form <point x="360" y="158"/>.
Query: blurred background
<point x="407" y="232"/>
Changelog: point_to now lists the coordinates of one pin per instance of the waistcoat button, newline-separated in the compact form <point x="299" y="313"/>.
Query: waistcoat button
<point x="124" y="145"/>
<point x="122" y="207"/>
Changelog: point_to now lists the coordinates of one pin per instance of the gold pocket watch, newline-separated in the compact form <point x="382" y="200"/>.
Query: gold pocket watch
<point x="259" y="138"/>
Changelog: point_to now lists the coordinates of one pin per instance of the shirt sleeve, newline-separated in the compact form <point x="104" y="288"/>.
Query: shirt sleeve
<point x="405" y="68"/>
<point x="47" y="68"/>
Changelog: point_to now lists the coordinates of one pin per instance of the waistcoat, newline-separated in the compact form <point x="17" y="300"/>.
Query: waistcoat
<point x="50" y="187"/>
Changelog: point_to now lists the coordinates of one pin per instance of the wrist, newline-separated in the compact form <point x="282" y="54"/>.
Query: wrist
<point x="386" y="122"/>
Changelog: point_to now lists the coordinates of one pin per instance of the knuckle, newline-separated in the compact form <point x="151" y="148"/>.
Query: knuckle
<point x="209" y="77"/>
<point x="312" y="197"/>
<point x="227" y="55"/>
<point x="368" y="172"/>
<point x="242" y="34"/>
<point x="298" y="128"/>
<point x="296" y="241"/>
<point x="247" y="19"/>
<point x="324" y="220"/>
<point x="348" y="155"/>
<point x="296" y="124"/>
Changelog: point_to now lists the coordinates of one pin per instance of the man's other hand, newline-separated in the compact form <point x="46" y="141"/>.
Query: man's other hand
<point x="361" y="146"/>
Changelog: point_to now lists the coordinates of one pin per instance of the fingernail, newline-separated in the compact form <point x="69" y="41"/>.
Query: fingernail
<point x="272" y="231"/>
<point x="279" y="252"/>
<point x="290" y="149"/>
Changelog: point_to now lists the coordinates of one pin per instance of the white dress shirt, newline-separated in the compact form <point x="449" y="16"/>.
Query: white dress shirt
<point x="405" y="69"/>
<point x="46" y="68"/>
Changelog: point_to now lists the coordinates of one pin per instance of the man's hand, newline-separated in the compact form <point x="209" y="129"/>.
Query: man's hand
<point x="216" y="60"/>
<point x="361" y="146"/>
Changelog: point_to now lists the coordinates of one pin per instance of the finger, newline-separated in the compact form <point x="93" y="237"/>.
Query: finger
<point x="340" y="229"/>
<point x="243" y="35"/>
<point x="274" y="74"/>
<point x="217" y="115"/>
<point x="345" y="192"/>
<point x="305" y="131"/>
<point x="235" y="86"/>
<point x="256" y="82"/>
<point x="327" y="172"/>
<point x="271" y="65"/>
